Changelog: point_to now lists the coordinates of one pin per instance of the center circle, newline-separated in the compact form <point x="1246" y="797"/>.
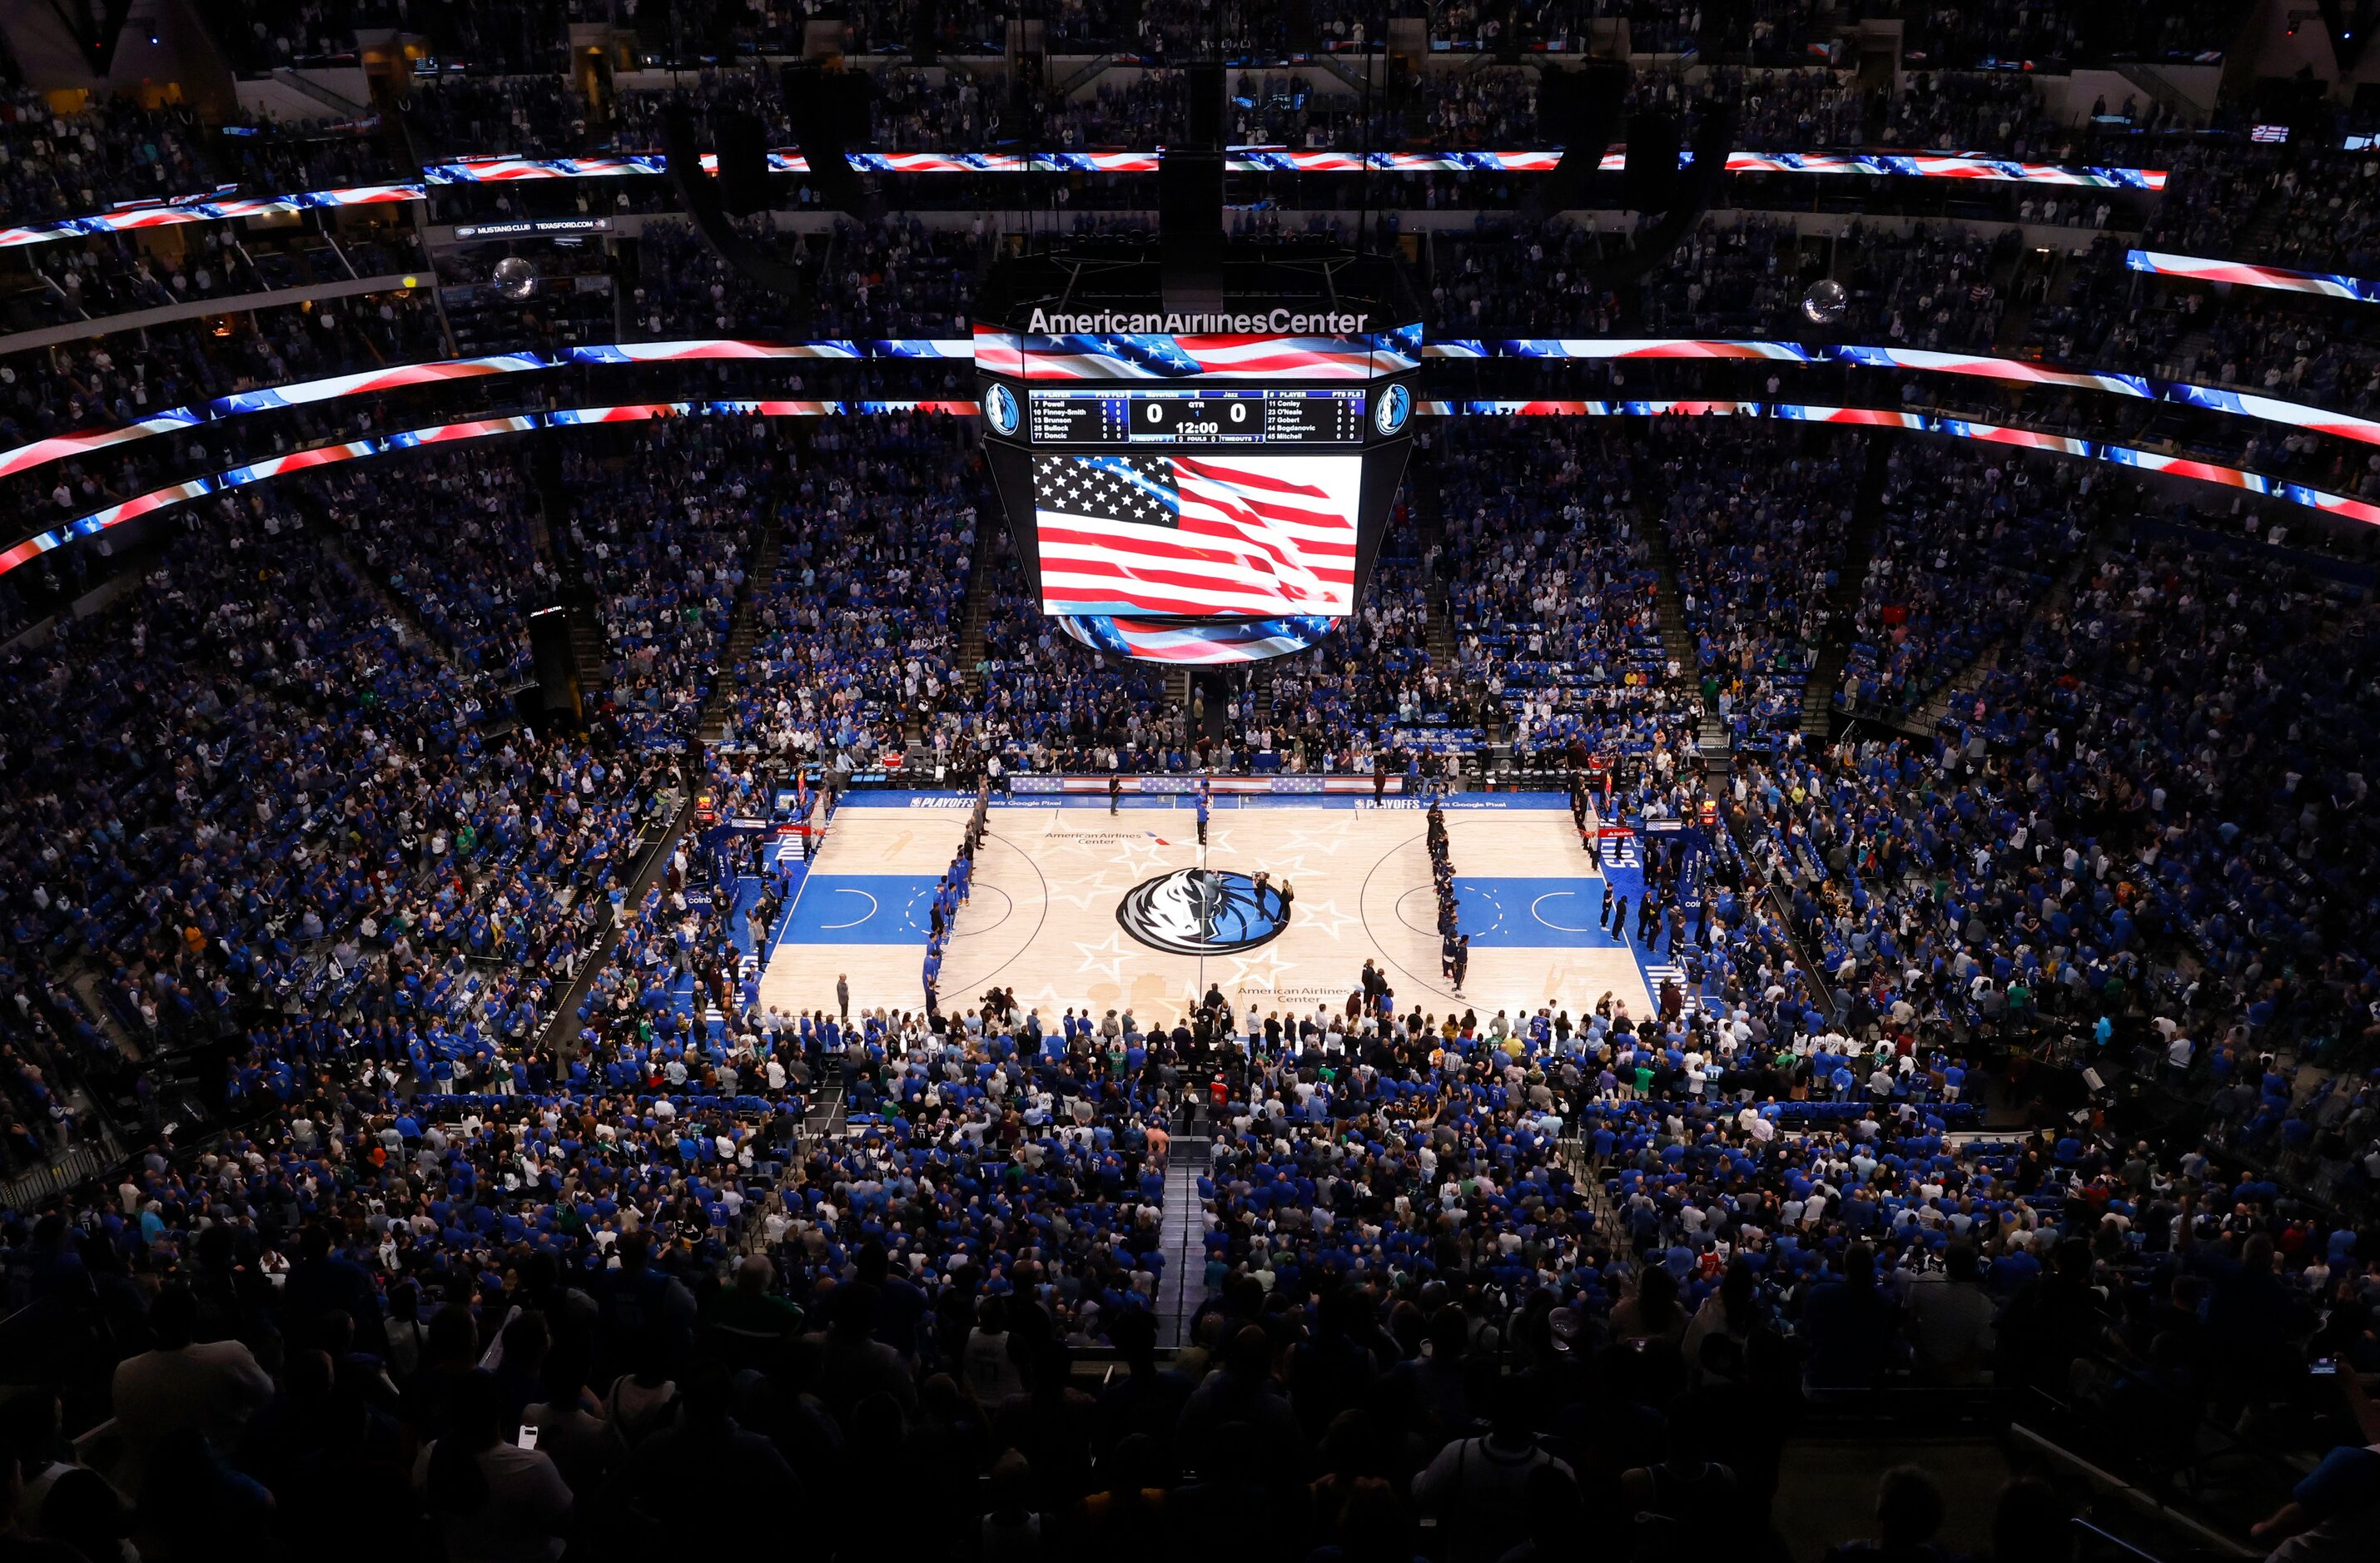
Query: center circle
<point x="1202" y="911"/>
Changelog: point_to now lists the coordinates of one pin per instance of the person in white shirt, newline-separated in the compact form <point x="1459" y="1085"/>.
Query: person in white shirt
<point x="211" y="1386"/>
<point x="493" y="1501"/>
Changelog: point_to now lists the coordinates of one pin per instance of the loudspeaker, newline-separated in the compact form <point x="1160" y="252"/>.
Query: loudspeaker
<point x="1714" y="140"/>
<point x="1025" y="97"/>
<point x="1297" y="26"/>
<point x="1572" y="104"/>
<point x="725" y="16"/>
<point x="1577" y="110"/>
<point x="837" y="107"/>
<point x="1205" y="87"/>
<point x="743" y="164"/>
<point x="1509" y="41"/>
<point x="555" y="660"/>
<point x="1650" y="180"/>
<point x="831" y="111"/>
<point x="628" y="276"/>
<point x="1189" y="194"/>
<point x="1190" y="227"/>
<point x="698" y="193"/>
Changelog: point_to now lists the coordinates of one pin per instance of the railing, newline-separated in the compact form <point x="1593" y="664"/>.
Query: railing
<point x="77" y="1165"/>
<point x="1782" y="911"/>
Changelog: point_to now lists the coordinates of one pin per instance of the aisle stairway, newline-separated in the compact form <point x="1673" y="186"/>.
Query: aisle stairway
<point x="590" y="648"/>
<point x="990" y="540"/>
<point x="410" y="629"/>
<point x="1183" y="1286"/>
<point x="823" y="1117"/>
<point x="742" y="633"/>
<point x="1851" y="580"/>
<point x="1677" y="641"/>
<point x="2049" y="607"/>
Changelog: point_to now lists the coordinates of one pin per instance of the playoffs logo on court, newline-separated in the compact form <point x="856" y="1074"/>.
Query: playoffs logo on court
<point x="1201" y="911"/>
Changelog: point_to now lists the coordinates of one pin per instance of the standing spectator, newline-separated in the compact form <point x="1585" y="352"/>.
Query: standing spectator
<point x="1949" y="1318"/>
<point x="1477" y="1487"/>
<point x="1848" y="1323"/>
<point x="2333" y="1515"/>
<point x="212" y="1388"/>
<point x="493" y="1501"/>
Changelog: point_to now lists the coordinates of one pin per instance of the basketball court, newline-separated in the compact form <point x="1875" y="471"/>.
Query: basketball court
<point x="1053" y="873"/>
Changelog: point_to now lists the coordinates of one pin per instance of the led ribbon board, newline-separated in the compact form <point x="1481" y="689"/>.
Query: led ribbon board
<point x="1155" y="639"/>
<point x="1285" y="160"/>
<point x="204" y="209"/>
<point x="40" y="452"/>
<point x="2192" y="467"/>
<point x="501" y="170"/>
<point x="303" y="392"/>
<point x="2199" y="268"/>
<point x="99" y="521"/>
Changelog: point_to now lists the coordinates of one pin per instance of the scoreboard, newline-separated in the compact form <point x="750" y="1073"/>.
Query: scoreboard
<point x="1197" y="499"/>
<point x="1197" y="417"/>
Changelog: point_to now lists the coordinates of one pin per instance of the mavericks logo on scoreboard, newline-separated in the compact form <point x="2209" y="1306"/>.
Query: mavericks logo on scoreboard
<point x="1000" y="407"/>
<point x="1202" y="911"/>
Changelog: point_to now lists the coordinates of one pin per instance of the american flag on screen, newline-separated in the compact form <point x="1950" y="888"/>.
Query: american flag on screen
<point x="1184" y="535"/>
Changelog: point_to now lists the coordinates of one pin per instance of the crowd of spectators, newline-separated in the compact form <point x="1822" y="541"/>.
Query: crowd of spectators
<point x="1965" y="546"/>
<point x="258" y="36"/>
<point x="455" y="539"/>
<point x="111" y="151"/>
<point x="1552" y="589"/>
<point x="1767" y="1200"/>
<point x="2305" y="204"/>
<point x="2011" y="35"/>
<point x="664" y="532"/>
<point x="446" y="1122"/>
<point x="896" y="278"/>
<point x="2231" y="773"/>
<point x="856" y="632"/>
<point x="1940" y="286"/>
<point x="1756" y="559"/>
<point x="111" y="379"/>
<point x="287" y="807"/>
<point x="1049" y="703"/>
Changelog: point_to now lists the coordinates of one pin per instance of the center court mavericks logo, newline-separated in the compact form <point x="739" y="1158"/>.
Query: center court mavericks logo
<point x="1201" y="911"/>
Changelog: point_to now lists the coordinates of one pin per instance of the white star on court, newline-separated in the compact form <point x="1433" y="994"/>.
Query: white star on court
<point x="1333" y="836"/>
<point x="1142" y="852"/>
<point x="1267" y="960"/>
<point x="1321" y="916"/>
<point x="1087" y="892"/>
<point x="1111" y="947"/>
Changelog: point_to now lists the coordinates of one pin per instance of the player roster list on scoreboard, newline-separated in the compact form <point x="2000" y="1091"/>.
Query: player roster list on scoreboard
<point x="1198" y="417"/>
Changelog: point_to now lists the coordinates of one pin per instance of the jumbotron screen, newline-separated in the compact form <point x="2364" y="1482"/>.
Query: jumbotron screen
<point x="1197" y="499"/>
<point x="1197" y="536"/>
